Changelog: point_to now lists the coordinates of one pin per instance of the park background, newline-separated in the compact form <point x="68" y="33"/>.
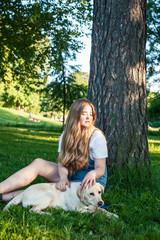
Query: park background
<point x="39" y="74"/>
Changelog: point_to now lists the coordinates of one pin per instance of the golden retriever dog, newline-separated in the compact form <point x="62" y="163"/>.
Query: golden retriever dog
<point x="44" y="195"/>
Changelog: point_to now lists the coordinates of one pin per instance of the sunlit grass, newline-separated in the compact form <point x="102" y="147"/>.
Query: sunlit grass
<point x="154" y="149"/>
<point x="11" y="117"/>
<point x="154" y="143"/>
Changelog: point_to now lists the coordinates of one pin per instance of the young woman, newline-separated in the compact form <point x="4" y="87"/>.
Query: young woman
<point x="82" y="156"/>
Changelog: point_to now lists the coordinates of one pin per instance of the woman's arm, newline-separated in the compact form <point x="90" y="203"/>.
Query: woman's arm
<point x="99" y="170"/>
<point x="63" y="178"/>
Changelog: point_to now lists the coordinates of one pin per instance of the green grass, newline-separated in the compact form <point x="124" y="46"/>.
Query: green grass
<point x="14" y="118"/>
<point x="133" y="194"/>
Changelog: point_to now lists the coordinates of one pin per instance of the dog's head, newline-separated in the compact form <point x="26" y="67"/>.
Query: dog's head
<point x="92" y="195"/>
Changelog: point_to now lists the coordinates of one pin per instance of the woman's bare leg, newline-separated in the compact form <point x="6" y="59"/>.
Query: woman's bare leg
<point x="10" y="195"/>
<point x="38" y="167"/>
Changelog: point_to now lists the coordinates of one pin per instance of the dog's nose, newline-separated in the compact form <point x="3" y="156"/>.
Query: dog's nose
<point x="100" y="203"/>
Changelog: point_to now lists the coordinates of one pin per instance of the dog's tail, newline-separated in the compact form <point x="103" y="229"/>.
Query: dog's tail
<point x="14" y="201"/>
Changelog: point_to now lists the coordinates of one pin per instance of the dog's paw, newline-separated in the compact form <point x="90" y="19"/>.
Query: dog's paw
<point x="115" y="215"/>
<point x="5" y="209"/>
<point x="111" y="215"/>
<point x="34" y="210"/>
<point x="47" y="213"/>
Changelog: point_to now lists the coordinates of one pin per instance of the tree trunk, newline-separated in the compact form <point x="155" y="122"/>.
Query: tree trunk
<point x="64" y="96"/>
<point x="117" y="84"/>
<point x="18" y="106"/>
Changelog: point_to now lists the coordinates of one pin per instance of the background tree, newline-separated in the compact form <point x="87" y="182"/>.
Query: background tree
<point x="22" y="55"/>
<point x="20" y="36"/>
<point x="25" y="26"/>
<point x="22" y="88"/>
<point x="30" y="33"/>
<point x="63" y="91"/>
<point x="81" y="78"/>
<point x="153" y="102"/>
<point x="153" y="36"/>
<point x="117" y="84"/>
<point x="64" y="44"/>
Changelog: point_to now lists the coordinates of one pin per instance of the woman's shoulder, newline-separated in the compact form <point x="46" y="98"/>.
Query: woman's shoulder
<point x="61" y="136"/>
<point x="97" y="132"/>
<point x="98" y="145"/>
<point x="97" y="135"/>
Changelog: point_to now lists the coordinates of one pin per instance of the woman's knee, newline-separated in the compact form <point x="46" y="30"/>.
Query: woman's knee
<point x="38" y="162"/>
<point x="44" y="168"/>
<point x="38" y="165"/>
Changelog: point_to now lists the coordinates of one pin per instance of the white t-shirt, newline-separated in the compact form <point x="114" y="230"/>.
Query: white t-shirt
<point x="97" y="145"/>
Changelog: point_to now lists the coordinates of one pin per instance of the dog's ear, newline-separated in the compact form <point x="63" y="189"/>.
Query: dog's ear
<point x="80" y="194"/>
<point x="102" y="188"/>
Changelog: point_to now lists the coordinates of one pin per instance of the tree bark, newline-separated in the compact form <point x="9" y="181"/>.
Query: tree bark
<point x="117" y="84"/>
<point x="64" y="96"/>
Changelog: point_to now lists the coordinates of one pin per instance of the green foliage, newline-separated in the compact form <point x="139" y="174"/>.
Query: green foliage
<point x="153" y="102"/>
<point x="35" y="36"/>
<point x="21" y="81"/>
<point x="81" y="78"/>
<point x="1" y="92"/>
<point x="21" y="38"/>
<point x="153" y="36"/>
<point x="133" y="195"/>
<point x="73" y="87"/>
<point x="154" y="124"/>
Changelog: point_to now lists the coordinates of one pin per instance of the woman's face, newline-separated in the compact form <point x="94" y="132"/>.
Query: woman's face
<point x="86" y="117"/>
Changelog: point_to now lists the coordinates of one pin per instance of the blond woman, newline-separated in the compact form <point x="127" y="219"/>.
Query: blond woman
<point x="82" y="156"/>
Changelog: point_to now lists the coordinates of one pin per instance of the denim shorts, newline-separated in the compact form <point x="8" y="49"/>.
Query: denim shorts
<point x="80" y="174"/>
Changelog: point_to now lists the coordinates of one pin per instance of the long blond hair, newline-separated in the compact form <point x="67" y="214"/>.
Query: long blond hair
<point x="75" y="143"/>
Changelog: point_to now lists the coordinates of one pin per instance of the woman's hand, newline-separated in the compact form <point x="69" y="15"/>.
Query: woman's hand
<point x="61" y="185"/>
<point x="63" y="178"/>
<point x="89" y="179"/>
<point x="99" y="170"/>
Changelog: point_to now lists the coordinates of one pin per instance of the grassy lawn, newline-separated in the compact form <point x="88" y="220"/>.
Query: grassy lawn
<point x="13" y="118"/>
<point x="134" y="196"/>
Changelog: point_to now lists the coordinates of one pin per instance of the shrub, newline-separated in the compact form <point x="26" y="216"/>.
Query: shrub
<point x="156" y="124"/>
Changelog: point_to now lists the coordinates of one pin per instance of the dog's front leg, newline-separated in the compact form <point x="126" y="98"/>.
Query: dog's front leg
<point x="36" y="209"/>
<point x="89" y="209"/>
<point x="109" y="215"/>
